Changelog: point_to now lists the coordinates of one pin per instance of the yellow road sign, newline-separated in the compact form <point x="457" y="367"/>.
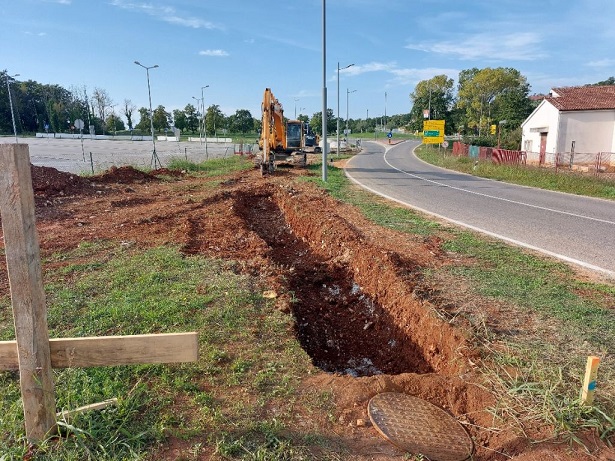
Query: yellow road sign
<point x="433" y="131"/>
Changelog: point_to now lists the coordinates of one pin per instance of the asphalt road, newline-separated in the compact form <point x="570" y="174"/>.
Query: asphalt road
<point x="69" y="155"/>
<point x="579" y="230"/>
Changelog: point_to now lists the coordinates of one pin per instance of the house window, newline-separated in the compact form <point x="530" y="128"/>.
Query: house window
<point x="527" y="145"/>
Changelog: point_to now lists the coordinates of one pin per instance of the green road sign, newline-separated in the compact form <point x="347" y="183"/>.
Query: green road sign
<point x="431" y="133"/>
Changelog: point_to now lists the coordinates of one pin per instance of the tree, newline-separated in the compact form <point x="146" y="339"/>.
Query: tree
<point x="479" y="90"/>
<point x="129" y="109"/>
<point x="100" y="102"/>
<point x="214" y="119"/>
<point x="144" y="122"/>
<point x="241" y="121"/>
<point x="114" y="123"/>
<point x="608" y="81"/>
<point x="180" y="120"/>
<point x="435" y="96"/>
<point x="162" y="119"/>
<point x="192" y="118"/>
<point x="316" y="122"/>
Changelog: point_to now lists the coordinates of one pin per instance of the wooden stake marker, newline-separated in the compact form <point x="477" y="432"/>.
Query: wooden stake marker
<point x="33" y="353"/>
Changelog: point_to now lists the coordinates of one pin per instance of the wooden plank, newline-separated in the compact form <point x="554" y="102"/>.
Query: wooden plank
<point x="112" y="350"/>
<point x="27" y="294"/>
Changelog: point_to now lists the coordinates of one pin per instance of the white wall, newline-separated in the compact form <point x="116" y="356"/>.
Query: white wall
<point x="545" y="116"/>
<point x="592" y="131"/>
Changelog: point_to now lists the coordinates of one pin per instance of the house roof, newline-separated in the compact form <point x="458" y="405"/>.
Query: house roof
<point x="583" y="98"/>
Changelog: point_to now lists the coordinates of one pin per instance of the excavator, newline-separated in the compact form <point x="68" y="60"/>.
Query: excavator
<point x="279" y="140"/>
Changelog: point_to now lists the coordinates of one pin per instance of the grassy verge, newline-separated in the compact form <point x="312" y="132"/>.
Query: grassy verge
<point x="543" y="178"/>
<point x="538" y="370"/>
<point x="213" y="167"/>
<point x="249" y="360"/>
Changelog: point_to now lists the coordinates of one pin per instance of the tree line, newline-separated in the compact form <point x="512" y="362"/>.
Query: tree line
<point x="483" y="99"/>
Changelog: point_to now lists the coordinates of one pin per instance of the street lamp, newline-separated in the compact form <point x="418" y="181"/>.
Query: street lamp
<point x="296" y="99"/>
<point x="324" y="90"/>
<point x="155" y="159"/>
<point x="199" y="105"/>
<point x="347" y="93"/>
<point x="500" y="123"/>
<point x="385" y="110"/>
<point x="203" y="119"/>
<point x="8" y="87"/>
<point x="338" y="104"/>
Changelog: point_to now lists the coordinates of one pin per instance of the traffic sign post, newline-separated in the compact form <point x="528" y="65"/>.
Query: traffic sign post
<point x="433" y="131"/>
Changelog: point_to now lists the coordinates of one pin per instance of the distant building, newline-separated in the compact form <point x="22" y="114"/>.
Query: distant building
<point x="571" y="119"/>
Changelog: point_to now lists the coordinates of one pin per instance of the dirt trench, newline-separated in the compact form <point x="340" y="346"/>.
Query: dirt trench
<point x="352" y="301"/>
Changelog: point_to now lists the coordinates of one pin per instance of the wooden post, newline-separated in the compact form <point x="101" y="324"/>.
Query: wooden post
<point x="27" y="293"/>
<point x="589" y="383"/>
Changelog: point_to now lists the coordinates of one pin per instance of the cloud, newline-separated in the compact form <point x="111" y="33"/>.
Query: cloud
<point x="521" y="46"/>
<point x="164" y="13"/>
<point x="217" y="53"/>
<point x="399" y="76"/>
<point x="602" y="63"/>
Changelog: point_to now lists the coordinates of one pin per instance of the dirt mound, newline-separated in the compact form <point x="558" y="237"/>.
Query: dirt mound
<point x="50" y="182"/>
<point x="124" y="175"/>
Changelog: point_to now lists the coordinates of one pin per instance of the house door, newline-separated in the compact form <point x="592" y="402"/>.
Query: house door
<point x="543" y="148"/>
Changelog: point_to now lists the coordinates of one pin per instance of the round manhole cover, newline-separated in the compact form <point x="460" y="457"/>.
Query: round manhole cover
<point x="419" y="427"/>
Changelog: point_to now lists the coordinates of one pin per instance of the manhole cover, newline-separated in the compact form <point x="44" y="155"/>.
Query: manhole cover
<point x="419" y="427"/>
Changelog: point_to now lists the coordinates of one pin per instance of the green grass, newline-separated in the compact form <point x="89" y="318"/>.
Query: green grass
<point x="244" y="342"/>
<point x="543" y="178"/>
<point x="213" y="167"/>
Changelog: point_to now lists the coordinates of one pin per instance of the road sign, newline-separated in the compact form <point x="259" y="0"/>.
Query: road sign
<point x="445" y="144"/>
<point x="433" y="131"/>
<point x="79" y="124"/>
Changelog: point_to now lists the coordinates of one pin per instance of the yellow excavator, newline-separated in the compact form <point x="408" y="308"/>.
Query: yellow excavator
<point x="280" y="140"/>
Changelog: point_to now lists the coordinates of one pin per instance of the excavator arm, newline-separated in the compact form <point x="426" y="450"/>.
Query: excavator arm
<point x="273" y="133"/>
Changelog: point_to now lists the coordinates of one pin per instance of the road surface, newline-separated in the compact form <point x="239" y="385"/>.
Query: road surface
<point x="576" y="229"/>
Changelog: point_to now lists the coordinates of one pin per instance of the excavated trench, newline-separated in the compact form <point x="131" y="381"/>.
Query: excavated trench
<point x="354" y="309"/>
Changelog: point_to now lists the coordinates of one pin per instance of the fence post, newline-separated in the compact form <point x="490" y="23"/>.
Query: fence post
<point x="27" y="293"/>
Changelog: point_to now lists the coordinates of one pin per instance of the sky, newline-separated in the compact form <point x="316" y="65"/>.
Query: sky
<point x="239" y="48"/>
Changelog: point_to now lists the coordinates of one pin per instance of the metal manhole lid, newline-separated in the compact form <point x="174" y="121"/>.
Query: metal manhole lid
<point x="419" y="427"/>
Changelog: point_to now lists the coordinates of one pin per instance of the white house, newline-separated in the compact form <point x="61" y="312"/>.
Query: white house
<point x="571" y="119"/>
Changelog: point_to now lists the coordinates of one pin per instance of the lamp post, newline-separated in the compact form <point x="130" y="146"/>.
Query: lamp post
<point x="347" y="93"/>
<point x="338" y="104"/>
<point x="155" y="159"/>
<point x="8" y="87"/>
<point x="324" y="90"/>
<point x="199" y="104"/>
<point x="296" y="99"/>
<point x="203" y="119"/>
<point x="385" y="110"/>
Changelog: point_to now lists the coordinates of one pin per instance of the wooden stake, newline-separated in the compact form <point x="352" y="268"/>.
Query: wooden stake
<point x="589" y="383"/>
<point x="27" y="294"/>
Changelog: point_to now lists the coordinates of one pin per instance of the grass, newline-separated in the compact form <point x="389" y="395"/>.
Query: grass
<point x="213" y="167"/>
<point x="543" y="178"/>
<point x="244" y="345"/>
